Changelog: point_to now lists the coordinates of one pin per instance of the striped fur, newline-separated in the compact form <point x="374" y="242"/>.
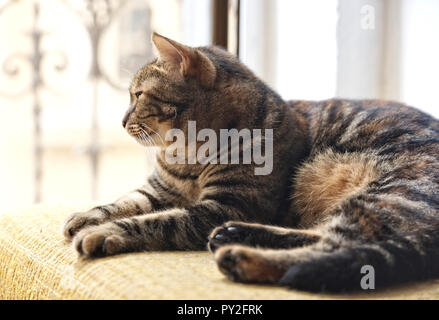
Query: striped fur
<point x="353" y="183"/>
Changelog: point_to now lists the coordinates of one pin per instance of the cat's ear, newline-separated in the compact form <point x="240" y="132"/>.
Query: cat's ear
<point x="187" y="61"/>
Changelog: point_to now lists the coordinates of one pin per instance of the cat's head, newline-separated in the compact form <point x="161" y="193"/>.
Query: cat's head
<point x="204" y="84"/>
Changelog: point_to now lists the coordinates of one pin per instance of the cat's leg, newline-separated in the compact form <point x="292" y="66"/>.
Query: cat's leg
<point x="258" y="265"/>
<point x="151" y="197"/>
<point x="353" y="243"/>
<point x="244" y="263"/>
<point x="258" y="235"/>
<point x="172" y="229"/>
<point x="318" y="268"/>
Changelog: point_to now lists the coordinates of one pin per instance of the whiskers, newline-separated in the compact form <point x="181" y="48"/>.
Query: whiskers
<point x="144" y="126"/>
<point x="144" y="135"/>
<point x="144" y="138"/>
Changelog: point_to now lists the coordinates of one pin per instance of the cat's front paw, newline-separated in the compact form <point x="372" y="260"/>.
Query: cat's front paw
<point x="244" y="264"/>
<point x="80" y="220"/>
<point x="103" y="240"/>
<point x="229" y="233"/>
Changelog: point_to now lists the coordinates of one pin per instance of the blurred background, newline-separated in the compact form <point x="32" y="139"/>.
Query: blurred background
<point x="65" y="67"/>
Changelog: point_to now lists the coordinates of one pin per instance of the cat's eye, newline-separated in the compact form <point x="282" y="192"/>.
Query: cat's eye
<point x="138" y="94"/>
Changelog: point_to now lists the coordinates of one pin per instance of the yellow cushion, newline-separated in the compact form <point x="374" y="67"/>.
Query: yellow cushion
<point x="37" y="263"/>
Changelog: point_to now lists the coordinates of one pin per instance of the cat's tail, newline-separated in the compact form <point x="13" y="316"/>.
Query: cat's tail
<point x="364" y="267"/>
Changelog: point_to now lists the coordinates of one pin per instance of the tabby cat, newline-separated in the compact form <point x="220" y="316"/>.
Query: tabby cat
<point x="354" y="183"/>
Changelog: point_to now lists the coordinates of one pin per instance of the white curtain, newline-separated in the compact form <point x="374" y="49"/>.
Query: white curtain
<point x="317" y="49"/>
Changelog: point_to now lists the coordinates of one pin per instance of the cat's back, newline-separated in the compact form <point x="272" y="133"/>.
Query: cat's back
<point x="354" y="125"/>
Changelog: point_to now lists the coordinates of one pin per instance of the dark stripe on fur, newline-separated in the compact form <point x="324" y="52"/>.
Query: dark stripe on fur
<point x="155" y="204"/>
<point x="161" y="188"/>
<point x="104" y="210"/>
<point x="175" y="173"/>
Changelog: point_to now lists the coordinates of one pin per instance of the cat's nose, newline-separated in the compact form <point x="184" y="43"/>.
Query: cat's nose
<point x="126" y="117"/>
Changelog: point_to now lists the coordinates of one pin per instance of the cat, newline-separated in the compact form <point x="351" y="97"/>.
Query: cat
<point x="354" y="182"/>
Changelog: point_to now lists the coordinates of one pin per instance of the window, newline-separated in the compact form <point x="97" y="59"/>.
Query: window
<point x="317" y="49"/>
<point x="63" y="142"/>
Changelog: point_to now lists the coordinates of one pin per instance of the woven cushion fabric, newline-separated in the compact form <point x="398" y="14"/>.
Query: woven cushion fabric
<point x="37" y="263"/>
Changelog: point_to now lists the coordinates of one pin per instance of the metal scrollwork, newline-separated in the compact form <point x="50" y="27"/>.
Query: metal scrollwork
<point x="36" y="60"/>
<point x="97" y="16"/>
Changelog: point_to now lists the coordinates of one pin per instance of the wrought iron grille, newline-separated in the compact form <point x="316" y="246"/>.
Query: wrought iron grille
<point x="96" y="16"/>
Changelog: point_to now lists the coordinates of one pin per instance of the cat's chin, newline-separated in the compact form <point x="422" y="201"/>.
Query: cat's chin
<point x="143" y="140"/>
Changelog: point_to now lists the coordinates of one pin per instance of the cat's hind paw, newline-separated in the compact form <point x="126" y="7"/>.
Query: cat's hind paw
<point x="244" y="264"/>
